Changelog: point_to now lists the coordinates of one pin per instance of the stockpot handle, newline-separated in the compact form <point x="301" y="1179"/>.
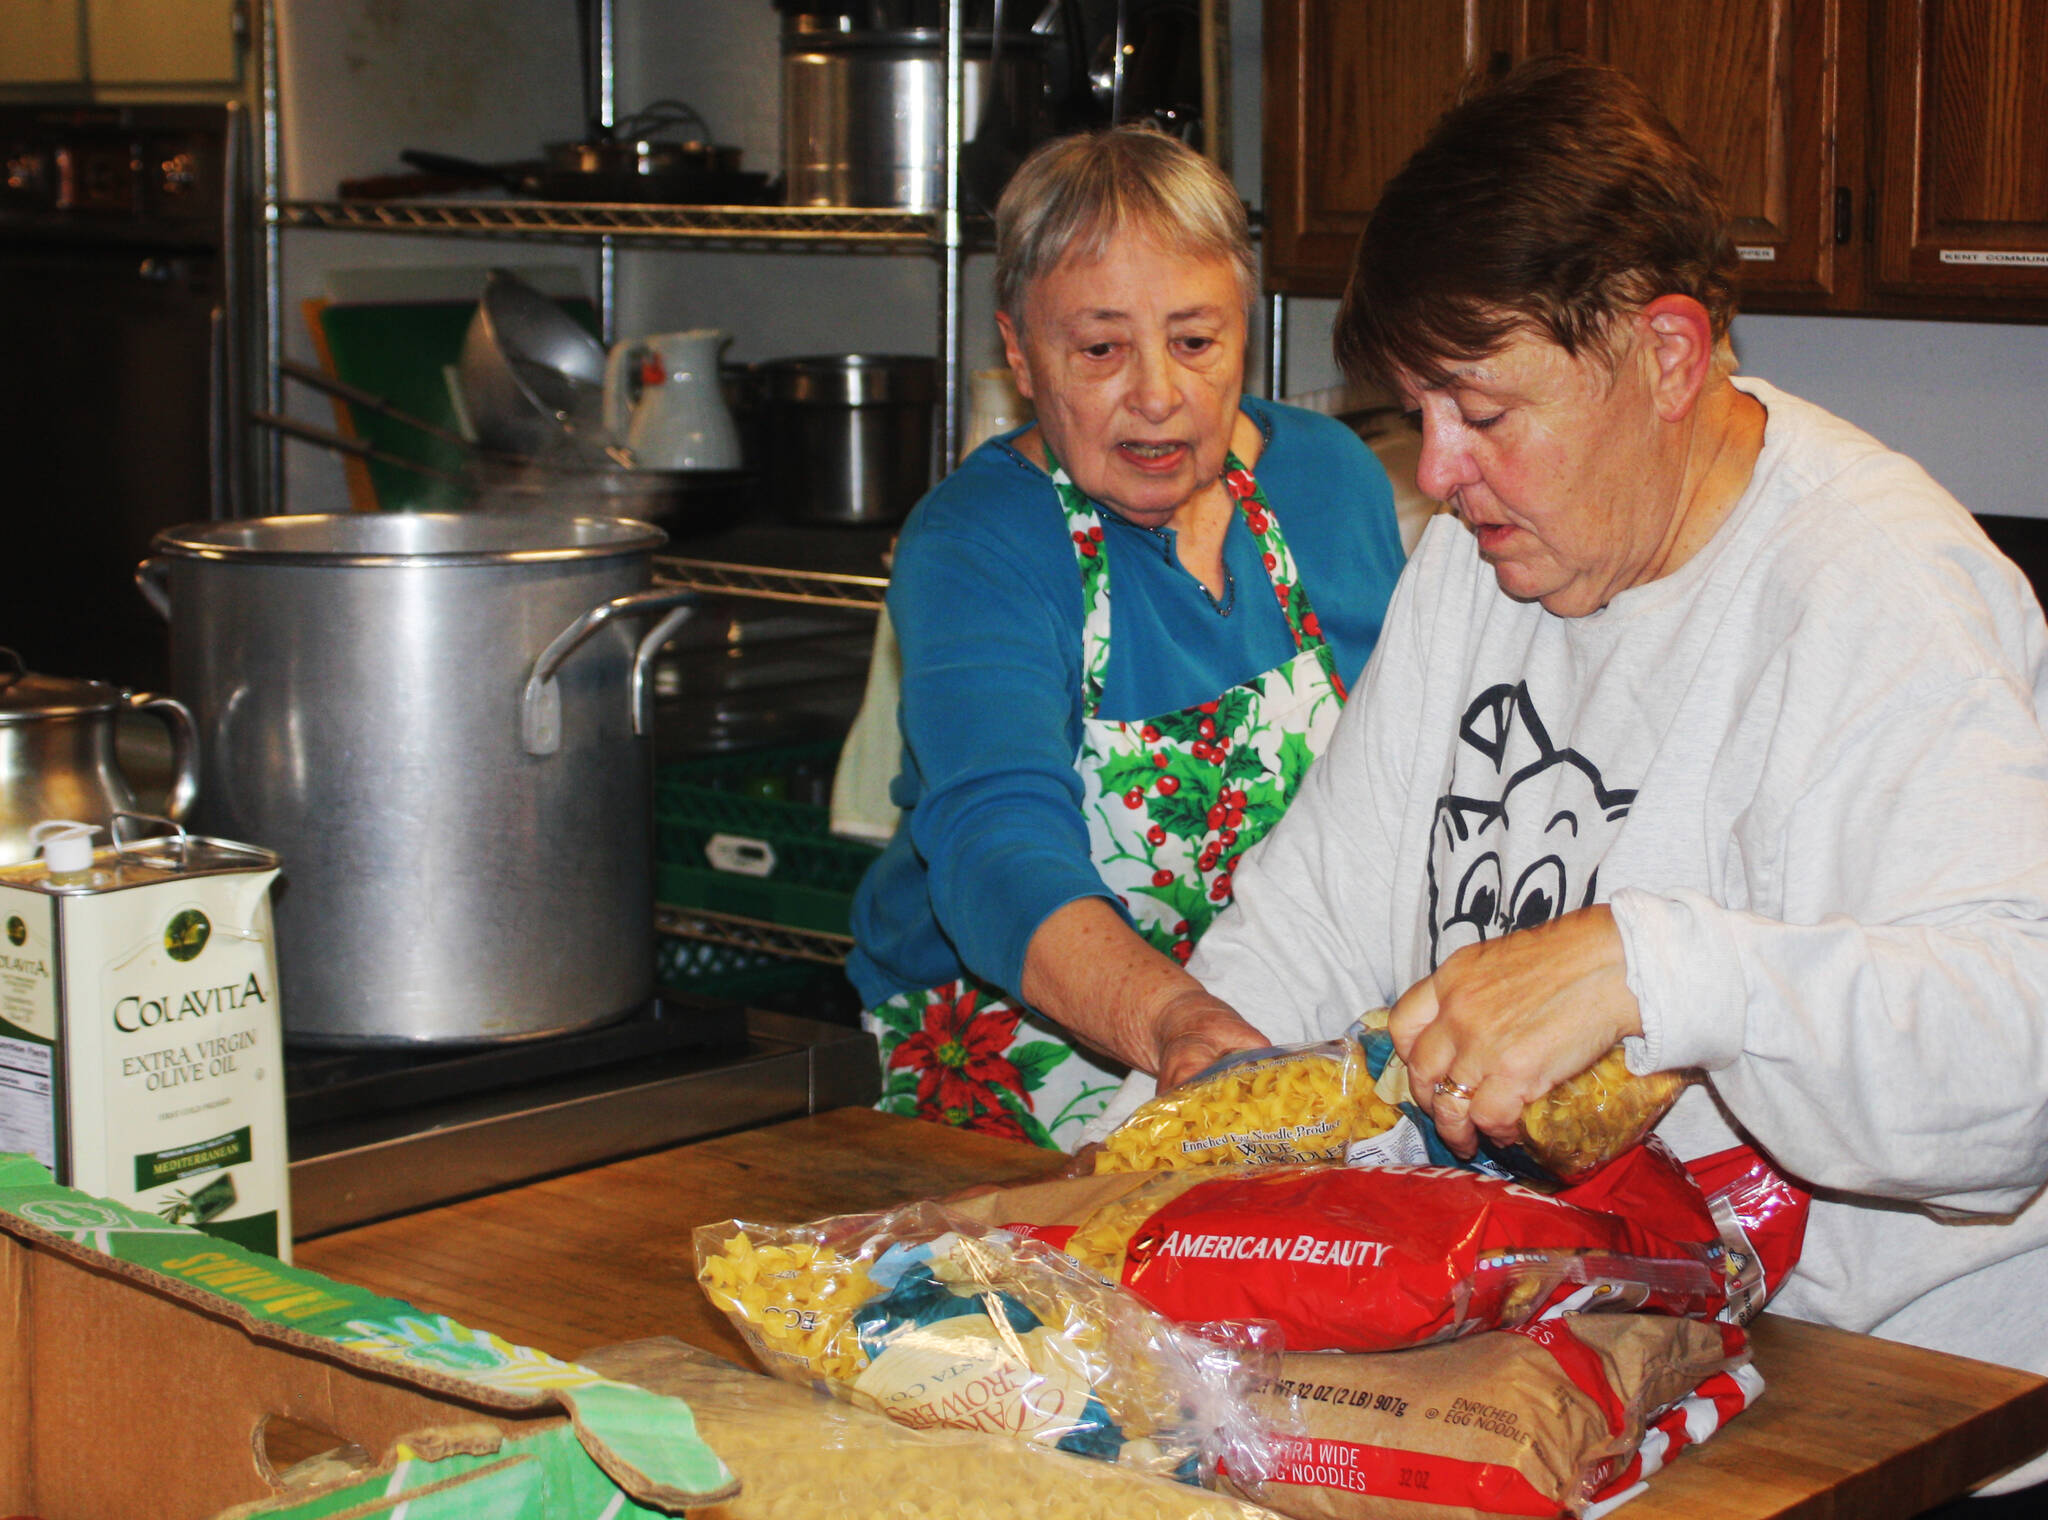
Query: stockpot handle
<point x="150" y="577"/>
<point x="177" y="717"/>
<point x="540" y="709"/>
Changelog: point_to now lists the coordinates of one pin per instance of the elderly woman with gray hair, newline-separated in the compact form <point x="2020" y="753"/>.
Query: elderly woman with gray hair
<point x="1079" y="782"/>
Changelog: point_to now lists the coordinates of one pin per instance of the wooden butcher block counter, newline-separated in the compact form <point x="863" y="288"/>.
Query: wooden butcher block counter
<point x="1848" y="1425"/>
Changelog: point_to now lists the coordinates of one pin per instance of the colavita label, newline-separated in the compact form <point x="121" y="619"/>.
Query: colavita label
<point x="190" y="1067"/>
<point x="28" y="966"/>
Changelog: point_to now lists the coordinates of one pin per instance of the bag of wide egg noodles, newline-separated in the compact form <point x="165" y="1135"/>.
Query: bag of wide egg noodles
<point x="1544" y="1420"/>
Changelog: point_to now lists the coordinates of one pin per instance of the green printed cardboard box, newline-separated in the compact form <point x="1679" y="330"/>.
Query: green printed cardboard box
<point x="151" y="1370"/>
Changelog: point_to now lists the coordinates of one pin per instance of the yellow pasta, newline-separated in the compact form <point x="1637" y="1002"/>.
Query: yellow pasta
<point x="1588" y="1120"/>
<point x="793" y="1302"/>
<point x="1099" y="1242"/>
<point x="1583" y="1122"/>
<point x="1291" y="1108"/>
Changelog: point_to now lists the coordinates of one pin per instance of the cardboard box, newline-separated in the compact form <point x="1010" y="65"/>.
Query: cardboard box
<point x="147" y="1369"/>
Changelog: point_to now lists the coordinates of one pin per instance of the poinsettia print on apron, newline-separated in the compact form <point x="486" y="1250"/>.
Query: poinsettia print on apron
<point x="1171" y="801"/>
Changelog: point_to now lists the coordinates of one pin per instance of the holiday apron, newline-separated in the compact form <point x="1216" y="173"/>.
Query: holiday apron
<point x="1171" y="804"/>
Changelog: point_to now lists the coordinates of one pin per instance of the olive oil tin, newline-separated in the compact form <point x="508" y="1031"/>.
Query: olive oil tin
<point x="141" y="1055"/>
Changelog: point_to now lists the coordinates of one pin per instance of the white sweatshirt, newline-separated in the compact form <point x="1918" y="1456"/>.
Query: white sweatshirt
<point x="1809" y="772"/>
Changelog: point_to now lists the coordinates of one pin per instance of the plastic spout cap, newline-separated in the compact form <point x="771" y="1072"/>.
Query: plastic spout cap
<point x="66" y="845"/>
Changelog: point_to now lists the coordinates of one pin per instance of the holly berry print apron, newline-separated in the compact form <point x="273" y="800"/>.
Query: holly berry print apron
<point x="1171" y="803"/>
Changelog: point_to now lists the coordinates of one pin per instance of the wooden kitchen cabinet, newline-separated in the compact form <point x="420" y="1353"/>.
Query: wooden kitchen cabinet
<point x="1884" y="156"/>
<point x="1960" y="155"/>
<point x="1350" y="87"/>
<point x="1755" y="87"/>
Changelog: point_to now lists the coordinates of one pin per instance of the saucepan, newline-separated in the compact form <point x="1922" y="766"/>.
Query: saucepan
<point x="843" y="438"/>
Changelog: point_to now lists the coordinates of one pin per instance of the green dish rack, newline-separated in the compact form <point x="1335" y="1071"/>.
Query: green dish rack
<point x="730" y="839"/>
<point x="725" y="971"/>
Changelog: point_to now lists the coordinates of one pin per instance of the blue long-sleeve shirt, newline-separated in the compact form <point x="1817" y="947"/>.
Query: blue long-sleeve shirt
<point x="985" y="597"/>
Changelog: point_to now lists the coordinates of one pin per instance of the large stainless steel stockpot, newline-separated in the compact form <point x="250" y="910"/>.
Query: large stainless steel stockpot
<point x="441" y="722"/>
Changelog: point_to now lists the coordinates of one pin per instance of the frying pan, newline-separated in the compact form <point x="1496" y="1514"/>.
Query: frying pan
<point x="631" y="161"/>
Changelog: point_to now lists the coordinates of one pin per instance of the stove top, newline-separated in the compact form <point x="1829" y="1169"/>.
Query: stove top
<point x="380" y="1131"/>
<point x="326" y="1086"/>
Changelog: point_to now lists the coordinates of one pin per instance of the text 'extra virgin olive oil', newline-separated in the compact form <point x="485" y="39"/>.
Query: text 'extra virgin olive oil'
<point x="141" y="1054"/>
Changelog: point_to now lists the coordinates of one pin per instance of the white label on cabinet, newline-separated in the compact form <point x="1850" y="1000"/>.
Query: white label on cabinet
<point x="1756" y="253"/>
<point x="2012" y="258"/>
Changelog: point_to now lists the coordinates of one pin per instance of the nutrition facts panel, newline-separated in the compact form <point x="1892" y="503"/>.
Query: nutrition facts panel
<point x="27" y="1116"/>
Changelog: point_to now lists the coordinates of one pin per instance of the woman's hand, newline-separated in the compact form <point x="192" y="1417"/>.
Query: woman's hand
<point x="1510" y="1018"/>
<point x="1195" y="1031"/>
<point x="1096" y="975"/>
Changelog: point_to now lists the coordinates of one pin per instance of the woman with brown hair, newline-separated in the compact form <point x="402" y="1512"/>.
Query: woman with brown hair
<point x="1701" y="722"/>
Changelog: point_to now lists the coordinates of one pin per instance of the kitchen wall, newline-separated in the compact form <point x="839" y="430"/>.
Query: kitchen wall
<point x="496" y="78"/>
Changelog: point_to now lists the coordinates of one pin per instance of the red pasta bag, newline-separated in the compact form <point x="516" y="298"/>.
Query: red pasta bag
<point x="1763" y="1224"/>
<point x="1381" y="1258"/>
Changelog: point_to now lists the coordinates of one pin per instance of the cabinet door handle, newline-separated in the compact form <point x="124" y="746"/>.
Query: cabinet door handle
<point x="1845" y="214"/>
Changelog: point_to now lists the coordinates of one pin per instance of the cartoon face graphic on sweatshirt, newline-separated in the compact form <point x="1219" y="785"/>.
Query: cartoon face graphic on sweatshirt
<point x="1521" y="830"/>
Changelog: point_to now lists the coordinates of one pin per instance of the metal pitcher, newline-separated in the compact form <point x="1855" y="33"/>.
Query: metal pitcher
<point x="57" y="756"/>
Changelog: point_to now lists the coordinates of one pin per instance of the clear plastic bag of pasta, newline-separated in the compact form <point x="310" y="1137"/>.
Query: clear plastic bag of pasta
<point x="800" y="1455"/>
<point x="1347" y="1100"/>
<point x="1290" y="1105"/>
<point x="1567" y="1135"/>
<point x="934" y="1320"/>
